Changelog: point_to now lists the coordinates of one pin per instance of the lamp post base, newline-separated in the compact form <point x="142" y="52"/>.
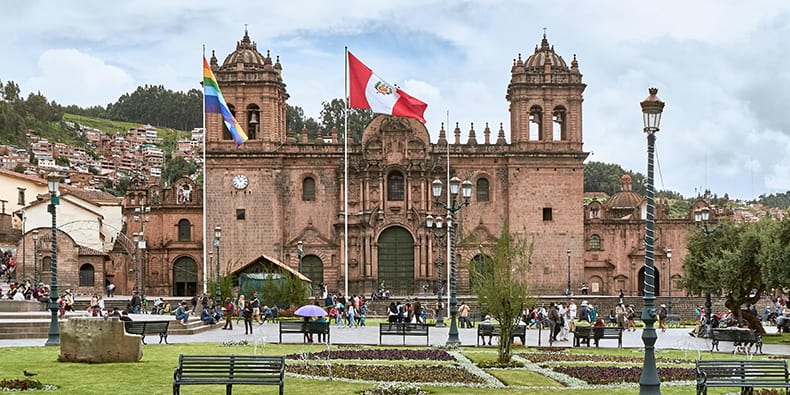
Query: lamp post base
<point x="53" y="338"/>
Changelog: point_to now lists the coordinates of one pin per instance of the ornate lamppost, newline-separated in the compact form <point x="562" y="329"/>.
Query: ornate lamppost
<point x="53" y="339"/>
<point x="702" y="218"/>
<point x="454" y="206"/>
<point x="649" y="382"/>
<point x="35" y="257"/>
<point x="436" y="226"/>
<point x="218" y="294"/>
<point x="136" y="239"/>
<point x="300" y="253"/>
<point x="669" y="270"/>
<point x="141" y="215"/>
<point x="568" y="290"/>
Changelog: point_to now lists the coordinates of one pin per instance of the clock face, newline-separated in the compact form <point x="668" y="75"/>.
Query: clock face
<point x="240" y="181"/>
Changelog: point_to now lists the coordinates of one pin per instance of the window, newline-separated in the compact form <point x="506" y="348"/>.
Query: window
<point x="481" y="190"/>
<point x="46" y="264"/>
<point x="253" y="121"/>
<point x="21" y="196"/>
<point x="547" y="213"/>
<point x="225" y="131"/>
<point x="595" y="243"/>
<point x="308" y="189"/>
<point x="559" y="131"/>
<point x="87" y="275"/>
<point x="241" y="214"/>
<point x="184" y="230"/>
<point x="535" y="123"/>
<point x="595" y="213"/>
<point x="395" y="186"/>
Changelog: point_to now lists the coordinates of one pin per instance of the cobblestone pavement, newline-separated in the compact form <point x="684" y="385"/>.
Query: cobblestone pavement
<point x="673" y="338"/>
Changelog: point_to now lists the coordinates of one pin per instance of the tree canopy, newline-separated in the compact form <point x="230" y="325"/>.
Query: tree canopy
<point x="740" y="262"/>
<point x="501" y="284"/>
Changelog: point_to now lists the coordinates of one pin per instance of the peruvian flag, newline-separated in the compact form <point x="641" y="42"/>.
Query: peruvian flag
<point x="367" y="90"/>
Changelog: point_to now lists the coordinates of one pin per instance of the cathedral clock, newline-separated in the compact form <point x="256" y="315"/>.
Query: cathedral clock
<point x="240" y="181"/>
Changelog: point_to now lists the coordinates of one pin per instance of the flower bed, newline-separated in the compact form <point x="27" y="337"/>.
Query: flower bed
<point x="377" y="354"/>
<point x="612" y="374"/>
<point x="422" y="374"/>
<point x="543" y="357"/>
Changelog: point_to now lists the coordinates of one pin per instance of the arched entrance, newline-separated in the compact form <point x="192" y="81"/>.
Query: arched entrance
<point x="185" y="277"/>
<point x="656" y="283"/>
<point x="396" y="261"/>
<point x="313" y="268"/>
<point x="480" y="262"/>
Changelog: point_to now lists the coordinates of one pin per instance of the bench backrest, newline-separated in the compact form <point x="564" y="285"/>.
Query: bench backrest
<point x="318" y="327"/>
<point x="742" y="370"/>
<point x="402" y="328"/>
<point x="237" y="368"/>
<point x="745" y="336"/>
<point x="415" y="329"/>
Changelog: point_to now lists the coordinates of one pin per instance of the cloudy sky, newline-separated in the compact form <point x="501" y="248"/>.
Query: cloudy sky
<point x="722" y="67"/>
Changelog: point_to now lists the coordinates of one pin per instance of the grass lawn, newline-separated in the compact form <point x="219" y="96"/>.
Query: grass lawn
<point x="154" y="373"/>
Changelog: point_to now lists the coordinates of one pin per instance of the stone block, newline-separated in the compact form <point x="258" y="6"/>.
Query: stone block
<point x="96" y="340"/>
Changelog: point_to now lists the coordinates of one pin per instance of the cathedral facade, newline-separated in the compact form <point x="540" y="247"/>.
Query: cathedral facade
<point x="277" y="190"/>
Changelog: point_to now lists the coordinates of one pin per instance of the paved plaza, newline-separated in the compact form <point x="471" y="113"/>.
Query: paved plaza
<point x="673" y="338"/>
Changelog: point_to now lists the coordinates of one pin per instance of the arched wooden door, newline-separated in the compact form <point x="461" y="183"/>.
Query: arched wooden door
<point x="185" y="277"/>
<point x="396" y="261"/>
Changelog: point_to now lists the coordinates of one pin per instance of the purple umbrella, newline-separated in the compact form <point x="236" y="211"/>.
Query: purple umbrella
<point x="310" y="310"/>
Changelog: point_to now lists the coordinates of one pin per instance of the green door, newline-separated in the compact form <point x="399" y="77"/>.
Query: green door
<point x="185" y="276"/>
<point x="396" y="261"/>
<point x="313" y="268"/>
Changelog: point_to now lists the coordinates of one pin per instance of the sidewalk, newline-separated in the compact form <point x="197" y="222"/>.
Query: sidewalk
<point x="674" y="338"/>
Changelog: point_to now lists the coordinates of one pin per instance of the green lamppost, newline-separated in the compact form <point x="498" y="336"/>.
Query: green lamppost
<point x="649" y="382"/>
<point x="454" y="206"/>
<point x="669" y="269"/>
<point x="35" y="257"/>
<point x="300" y="253"/>
<point x="435" y="226"/>
<point x="53" y="339"/>
<point x="568" y="290"/>
<point x="702" y="218"/>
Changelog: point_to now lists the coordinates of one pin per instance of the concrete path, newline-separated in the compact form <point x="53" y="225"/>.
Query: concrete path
<point x="676" y="338"/>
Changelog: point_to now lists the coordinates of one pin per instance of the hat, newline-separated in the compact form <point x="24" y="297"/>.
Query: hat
<point x="584" y="303"/>
<point x="488" y="317"/>
<point x="663" y="305"/>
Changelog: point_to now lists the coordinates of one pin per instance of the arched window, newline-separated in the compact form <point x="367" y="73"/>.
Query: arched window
<point x="595" y="243"/>
<point x="225" y="132"/>
<point x="184" y="230"/>
<point x="87" y="274"/>
<point x="559" y="130"/>
<point x="253" y="121"/>
<point x="535" y="123"/>
<point x="308" y="189"/>
<point x="46" y="264"/>
<point x="481" y="190"/>
<point x="395" y="189"/>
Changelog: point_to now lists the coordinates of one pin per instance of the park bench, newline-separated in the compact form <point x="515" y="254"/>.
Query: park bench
<point x="742" y="339"/>
<point x="583" y="334"/>
<point x="228" y="370"/>
<point x="673" y="320"/>
<point x="769" y="373"/>
<point x="146" y="328"/>
<point x="403" y="330"/>
<point x="492" y="330"/>
<point x="311" y="327"/>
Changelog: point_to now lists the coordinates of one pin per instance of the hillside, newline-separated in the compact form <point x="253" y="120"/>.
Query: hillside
<point x="169" y="136"/>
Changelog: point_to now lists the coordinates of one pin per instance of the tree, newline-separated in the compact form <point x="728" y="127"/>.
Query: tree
<point x="332" y="116"/>
<point x="501" y="285"/>
<point x="740" y="262"/>
<point x="176" y="168"/>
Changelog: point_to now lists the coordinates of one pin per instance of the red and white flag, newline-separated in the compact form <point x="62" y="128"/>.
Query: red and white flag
<point x="367" y="90"/>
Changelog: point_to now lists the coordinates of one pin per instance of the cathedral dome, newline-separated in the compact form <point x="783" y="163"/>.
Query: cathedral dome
<point x="246" y="54"/>
<point x="544" y="54"/>
<point x="626" y="198"/>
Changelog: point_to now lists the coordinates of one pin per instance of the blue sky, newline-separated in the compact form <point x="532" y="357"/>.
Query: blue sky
<point x="722" y="67"/>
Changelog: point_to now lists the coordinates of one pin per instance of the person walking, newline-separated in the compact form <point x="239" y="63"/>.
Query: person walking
<point x="240" y="307"/>
<point x="228" y="311"/>
<point x="247" y="313"/>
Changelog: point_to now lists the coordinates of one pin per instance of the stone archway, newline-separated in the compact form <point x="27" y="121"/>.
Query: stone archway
<point x="185" y="277"/>
<point x="313" y="268"/>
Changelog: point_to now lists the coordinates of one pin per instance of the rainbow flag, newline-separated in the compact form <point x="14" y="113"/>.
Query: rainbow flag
<point x="215" y="104"/>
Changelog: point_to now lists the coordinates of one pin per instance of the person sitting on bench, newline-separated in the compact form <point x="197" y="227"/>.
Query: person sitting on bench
<point x="487" y="323"/>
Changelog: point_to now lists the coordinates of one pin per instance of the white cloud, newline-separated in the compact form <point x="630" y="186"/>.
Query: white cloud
<point x="69" y="76"/>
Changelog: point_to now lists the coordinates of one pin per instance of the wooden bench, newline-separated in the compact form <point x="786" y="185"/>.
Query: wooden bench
<point x="228" y="370"/>
<point x="403" y="330"/>
<point x="742" y="340"/>
<point x="583" y="334"/>
<point x="769" y="373"/>
<point x="311" y="327"/>
<point x="519" y="331"/>
<point x="148" y="327"/>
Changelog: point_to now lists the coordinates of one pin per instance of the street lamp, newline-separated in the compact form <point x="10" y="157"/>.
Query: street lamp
<point x="649" y="382"/>
<point x="299" y="252"/>
<point x="53" y="182"/>
<point x="35" y="257"/>
<point x="454" y="206"/>
<point x="568" y="290"/>
<point x="669" y="270"/>
<point x="136" y="239"/>
<point x="436" y="226"/>
<point x="702" y="218"/>
<point x="141" y="215"/>
<point x="218" y="290"/>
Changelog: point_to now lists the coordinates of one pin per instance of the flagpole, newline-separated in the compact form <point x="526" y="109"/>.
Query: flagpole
<point x="447" y="182"/>
<point x="205" y="136"/>
<point x="345" y="180"/>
